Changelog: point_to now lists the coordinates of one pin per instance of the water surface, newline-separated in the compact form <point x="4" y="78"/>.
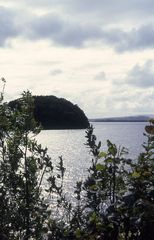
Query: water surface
<point x="70" y="145"/>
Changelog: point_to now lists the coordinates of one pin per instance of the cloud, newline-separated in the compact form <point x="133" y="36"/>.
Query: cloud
<point x="61" y="31"/>
<point x="136" y="39"/>
<point x="103" y="5"/>
<point x="56" y="72"/>
<point x="73" y="41"/>
<point x="101" y="76"/>
<point x="104" y="10"/>
<point x="48" y="62"/>
<point x="8" y="27"/>
<point x="77" y="35"/>
<point x="141" y="76"/>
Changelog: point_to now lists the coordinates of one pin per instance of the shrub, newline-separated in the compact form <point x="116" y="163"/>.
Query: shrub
<point x="115" y="201"/>
<point x="26" y="174"/>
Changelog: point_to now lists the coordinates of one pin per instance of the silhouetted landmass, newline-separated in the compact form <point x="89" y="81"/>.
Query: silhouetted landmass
<point x="56" y="113"/>
<point x="143" y="118"/>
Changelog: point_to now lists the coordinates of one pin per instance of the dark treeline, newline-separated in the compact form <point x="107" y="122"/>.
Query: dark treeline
<point x="56" y="113"/>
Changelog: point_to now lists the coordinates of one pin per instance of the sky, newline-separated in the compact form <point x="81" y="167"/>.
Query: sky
<point x="97" y="54"/>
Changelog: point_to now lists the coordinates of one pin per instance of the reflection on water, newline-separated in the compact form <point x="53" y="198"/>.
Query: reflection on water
<point x="70" y="145"/>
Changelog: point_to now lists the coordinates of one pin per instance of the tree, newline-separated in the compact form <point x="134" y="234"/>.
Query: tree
<point x="56" y="113"/>
<point x="25" y="170"/>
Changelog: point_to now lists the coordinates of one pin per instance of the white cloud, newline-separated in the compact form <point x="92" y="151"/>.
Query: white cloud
<point x="101" y="76"/>
<point x="79" y="42"/>
<point x="56" y="72"/>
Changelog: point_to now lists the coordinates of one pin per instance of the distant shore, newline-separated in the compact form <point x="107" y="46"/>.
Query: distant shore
<point x="93" y="120"/>
<point x="143" y="118"/>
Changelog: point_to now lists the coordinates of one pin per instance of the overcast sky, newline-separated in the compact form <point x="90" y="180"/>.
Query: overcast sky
<point x="98" y="54"/>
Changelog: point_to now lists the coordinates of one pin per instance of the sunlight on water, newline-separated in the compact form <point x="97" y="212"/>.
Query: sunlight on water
<point x="70" y="145"/>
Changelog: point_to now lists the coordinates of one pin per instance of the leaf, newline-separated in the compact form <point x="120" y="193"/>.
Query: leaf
<point x="109" y="160"/>
<point x="102" y="155"/>
<point x="93" y="187"/>
<point x="99" y="144"/>
<point x="147" y="174"/>
<point x="93" y="217"/>
<point x="100" y="167"/>
<point x="78" y="233"/>
<point x="136" y="174"/>
<point x="113" y="150"/>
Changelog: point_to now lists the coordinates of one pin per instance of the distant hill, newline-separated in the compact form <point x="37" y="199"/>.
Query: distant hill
<point x="143" y="118"/>
<point x="57" y="113"/>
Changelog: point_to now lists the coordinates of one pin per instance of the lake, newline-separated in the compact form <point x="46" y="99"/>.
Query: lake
<point x="70" y="145"/>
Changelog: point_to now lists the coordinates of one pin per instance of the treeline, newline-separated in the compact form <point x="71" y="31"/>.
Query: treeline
<point x="56" y="113"/>
<point x="115" y="201"/>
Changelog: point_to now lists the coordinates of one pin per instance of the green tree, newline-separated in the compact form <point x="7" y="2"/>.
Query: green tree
<point x="26" y="174"/>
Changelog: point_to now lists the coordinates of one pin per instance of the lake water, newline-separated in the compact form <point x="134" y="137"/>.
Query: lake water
<point x="70" y="145"/>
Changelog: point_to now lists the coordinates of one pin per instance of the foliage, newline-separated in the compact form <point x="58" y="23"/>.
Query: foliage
<point x="26" y="174"/>
<point x="115" y="201"/>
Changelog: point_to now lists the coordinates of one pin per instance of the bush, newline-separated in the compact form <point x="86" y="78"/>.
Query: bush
<point x="116" y="200"/>
<point x="26" y="174"/>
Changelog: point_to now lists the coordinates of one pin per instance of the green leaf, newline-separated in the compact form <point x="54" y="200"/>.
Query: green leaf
<point x="78" y="233"/>
<point x="93" y="187"/>
<point x="93" y="217"/>
<point x="102" y="155"/>
<point x="109" y="160"/>
<point x="113" y="150"/>
<point x="100" y="167"/>
<point x="136" y="174"/>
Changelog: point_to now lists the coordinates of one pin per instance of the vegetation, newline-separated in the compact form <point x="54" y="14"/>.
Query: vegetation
<point x="25" y="170"/>
<point x="115" y="202"/>
<point x="56" y="113"/>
